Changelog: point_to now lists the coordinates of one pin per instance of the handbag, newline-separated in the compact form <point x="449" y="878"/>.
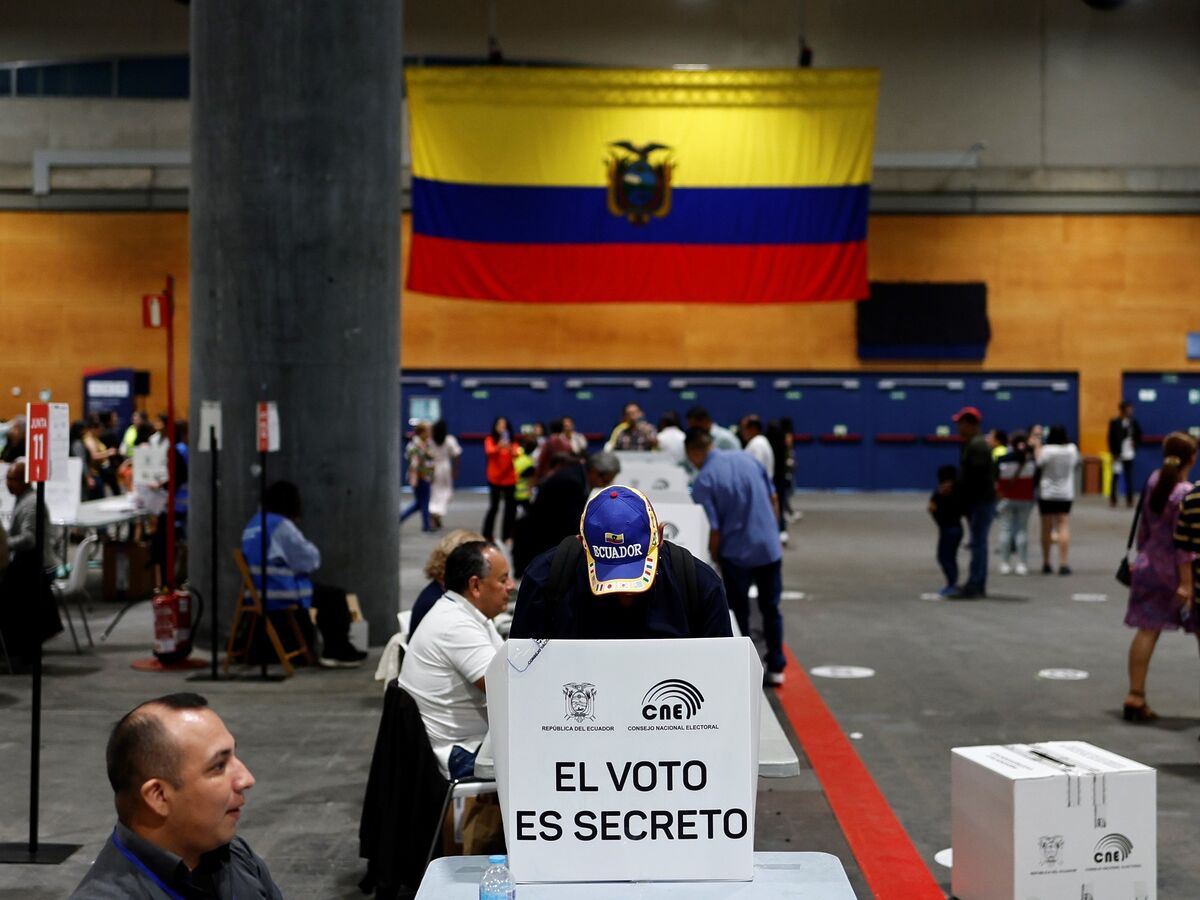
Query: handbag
<point x="1124" y="573"/>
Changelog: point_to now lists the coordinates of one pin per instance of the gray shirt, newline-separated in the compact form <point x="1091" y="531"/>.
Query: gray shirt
<point x="22" y="531"/>
<point x="130" y="867"/>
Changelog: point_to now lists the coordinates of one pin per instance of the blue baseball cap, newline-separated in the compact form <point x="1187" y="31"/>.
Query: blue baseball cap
<point x="620" y="539"/>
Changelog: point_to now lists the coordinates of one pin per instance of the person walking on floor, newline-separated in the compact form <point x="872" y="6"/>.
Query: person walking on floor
<point x="1124" y="436"/>
<point x="446" y="453"/>
<point x="501" y="479"/>
<point x="977" y="494"/>
<point x="947" y="513"/>
<point x="1057" y="459"/>
<point x="420" y="475"/>
<point x="1160" y="595"/>
<point x="1015" y="485"/>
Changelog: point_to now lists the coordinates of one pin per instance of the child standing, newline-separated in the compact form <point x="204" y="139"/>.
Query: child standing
<point x="947" y="512"/>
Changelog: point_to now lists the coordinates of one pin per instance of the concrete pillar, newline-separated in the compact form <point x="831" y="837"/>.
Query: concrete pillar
<point x="295" y="246"/>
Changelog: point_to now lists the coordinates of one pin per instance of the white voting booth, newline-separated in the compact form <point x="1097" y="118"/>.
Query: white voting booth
<point x="627" y="760"/>
<point x="654" y="474"/>
<point x="1060" y="819"/>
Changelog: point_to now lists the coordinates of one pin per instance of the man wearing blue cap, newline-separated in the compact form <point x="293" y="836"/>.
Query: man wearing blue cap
<point x="615" y="581"/>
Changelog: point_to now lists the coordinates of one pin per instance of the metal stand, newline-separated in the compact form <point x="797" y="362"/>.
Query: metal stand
<point x="262" y="538"/>
<point x="213" y="601"/>
<point x="33" y="852"/>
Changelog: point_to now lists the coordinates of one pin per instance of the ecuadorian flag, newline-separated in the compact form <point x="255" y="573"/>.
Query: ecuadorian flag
<point x="610" y="185"/>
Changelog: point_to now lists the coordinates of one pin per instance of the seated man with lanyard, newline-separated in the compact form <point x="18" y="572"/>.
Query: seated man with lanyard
<point x="179" y="789"/>
<point x="611" y="581"/>
<point x="291" y="558"/>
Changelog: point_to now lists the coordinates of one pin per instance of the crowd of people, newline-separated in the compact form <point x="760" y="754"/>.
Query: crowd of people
<point x="1003" y="476"/>
<point x="1000" y="478"/>
<point x="177" y="819"/>
<point x="520" y="463"/>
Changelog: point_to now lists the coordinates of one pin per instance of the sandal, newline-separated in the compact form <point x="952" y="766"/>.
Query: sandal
<point x="1138" y="714"/>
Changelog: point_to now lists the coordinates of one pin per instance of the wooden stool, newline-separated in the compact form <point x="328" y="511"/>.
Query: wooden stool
<point x="250" y="607"/>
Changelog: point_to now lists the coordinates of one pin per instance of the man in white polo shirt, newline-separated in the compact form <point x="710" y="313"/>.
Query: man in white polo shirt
<point x="445" y="663"/>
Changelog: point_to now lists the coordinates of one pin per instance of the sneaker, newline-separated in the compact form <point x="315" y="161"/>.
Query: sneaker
<point x="329" y="662"/>
<point x="773" y="679"/>
<point x="346" y="658"/>
<point x="1005" y="569"/>
<point x="1064" y="570"/>
<point x="783" y="538"/>
<point x="1021" y="569"/>
<point x="948" y="590"/>
<point x="1046" y="570"/>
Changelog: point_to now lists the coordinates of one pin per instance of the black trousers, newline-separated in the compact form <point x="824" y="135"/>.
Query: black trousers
<point x="333" y="620"/>
<point x="495" y="492"/>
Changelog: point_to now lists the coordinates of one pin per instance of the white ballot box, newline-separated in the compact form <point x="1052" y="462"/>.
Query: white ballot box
<point x="627" y="760"/>
<point x="1061" y="819"/>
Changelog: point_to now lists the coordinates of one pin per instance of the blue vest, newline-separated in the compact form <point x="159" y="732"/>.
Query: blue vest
<point x="284" y="587"/>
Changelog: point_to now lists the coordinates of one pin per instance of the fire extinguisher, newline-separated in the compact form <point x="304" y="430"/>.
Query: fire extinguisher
<point x="176" y="614"/>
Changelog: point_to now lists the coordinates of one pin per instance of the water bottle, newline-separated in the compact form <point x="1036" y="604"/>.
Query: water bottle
<point x="497" y="882"/>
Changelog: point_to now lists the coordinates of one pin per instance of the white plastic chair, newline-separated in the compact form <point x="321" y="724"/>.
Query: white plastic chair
<point x="75" y="585"/>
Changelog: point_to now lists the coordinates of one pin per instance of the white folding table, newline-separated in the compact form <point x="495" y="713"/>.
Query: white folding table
<point x="797" y="876"/>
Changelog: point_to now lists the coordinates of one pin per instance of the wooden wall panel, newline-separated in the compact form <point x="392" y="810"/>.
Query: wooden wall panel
<point x="1092" y="294"/>
<point x="70" y="295"/>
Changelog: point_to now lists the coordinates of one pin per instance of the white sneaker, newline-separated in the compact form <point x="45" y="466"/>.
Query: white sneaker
<point x="1005" y="569"/>
<point x="783" y="538"/>
<point x="1022" y="569"/>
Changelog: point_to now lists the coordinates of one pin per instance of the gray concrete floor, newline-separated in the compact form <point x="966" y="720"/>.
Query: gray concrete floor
<point x="948" y="674"/>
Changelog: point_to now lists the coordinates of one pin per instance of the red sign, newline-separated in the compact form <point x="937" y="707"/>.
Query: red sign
<point x="37" y="442"/>
<point x="264" y="428"/>
<point x="154" y="311"/>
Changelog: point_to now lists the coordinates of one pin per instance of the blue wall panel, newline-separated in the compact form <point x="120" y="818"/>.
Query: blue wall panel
<point x="854" y="430"/>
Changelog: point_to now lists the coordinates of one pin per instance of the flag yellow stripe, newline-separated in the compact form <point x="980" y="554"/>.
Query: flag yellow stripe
<point x="554" y="127"/>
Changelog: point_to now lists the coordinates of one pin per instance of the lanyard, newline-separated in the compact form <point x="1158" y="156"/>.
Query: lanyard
<point x="132" y="857"/>
<point x="129" y="855"/>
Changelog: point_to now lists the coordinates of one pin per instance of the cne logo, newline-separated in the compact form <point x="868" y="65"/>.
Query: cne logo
<point x="672" y="699"/>
<point x="1112" y="848"/>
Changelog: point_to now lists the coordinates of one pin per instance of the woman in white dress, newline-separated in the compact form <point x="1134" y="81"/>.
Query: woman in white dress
<point x="446" y="454"/>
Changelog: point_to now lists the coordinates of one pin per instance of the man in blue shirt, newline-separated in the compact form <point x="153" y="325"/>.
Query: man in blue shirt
<point x="291" y="560"/>
<point x="623" y="582"/>
<point x="743" y="512"/>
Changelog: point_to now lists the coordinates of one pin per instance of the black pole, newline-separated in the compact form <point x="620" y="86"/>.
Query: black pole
<point x="35" y="748"/>
<point x="33" y="852"/>
<point x="262" y="543"/>
<point x="212" y="556"/>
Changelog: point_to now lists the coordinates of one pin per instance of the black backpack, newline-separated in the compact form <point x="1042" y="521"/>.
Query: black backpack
<point x="566" y="558"/>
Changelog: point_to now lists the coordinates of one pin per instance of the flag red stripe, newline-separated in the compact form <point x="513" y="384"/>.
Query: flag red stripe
<point x="632" y="273"/>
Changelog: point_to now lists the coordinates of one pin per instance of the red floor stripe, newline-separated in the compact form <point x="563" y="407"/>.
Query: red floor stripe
<point x="885" y="853"/>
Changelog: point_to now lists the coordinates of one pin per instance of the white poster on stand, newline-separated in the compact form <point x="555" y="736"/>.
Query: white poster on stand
<point x="65" y="493"/>
<point x="627" y="760"/>
<point x="210" y="424"/>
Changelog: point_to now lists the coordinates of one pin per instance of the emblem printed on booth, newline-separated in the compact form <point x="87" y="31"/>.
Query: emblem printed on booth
<point x="580" y="699"/>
